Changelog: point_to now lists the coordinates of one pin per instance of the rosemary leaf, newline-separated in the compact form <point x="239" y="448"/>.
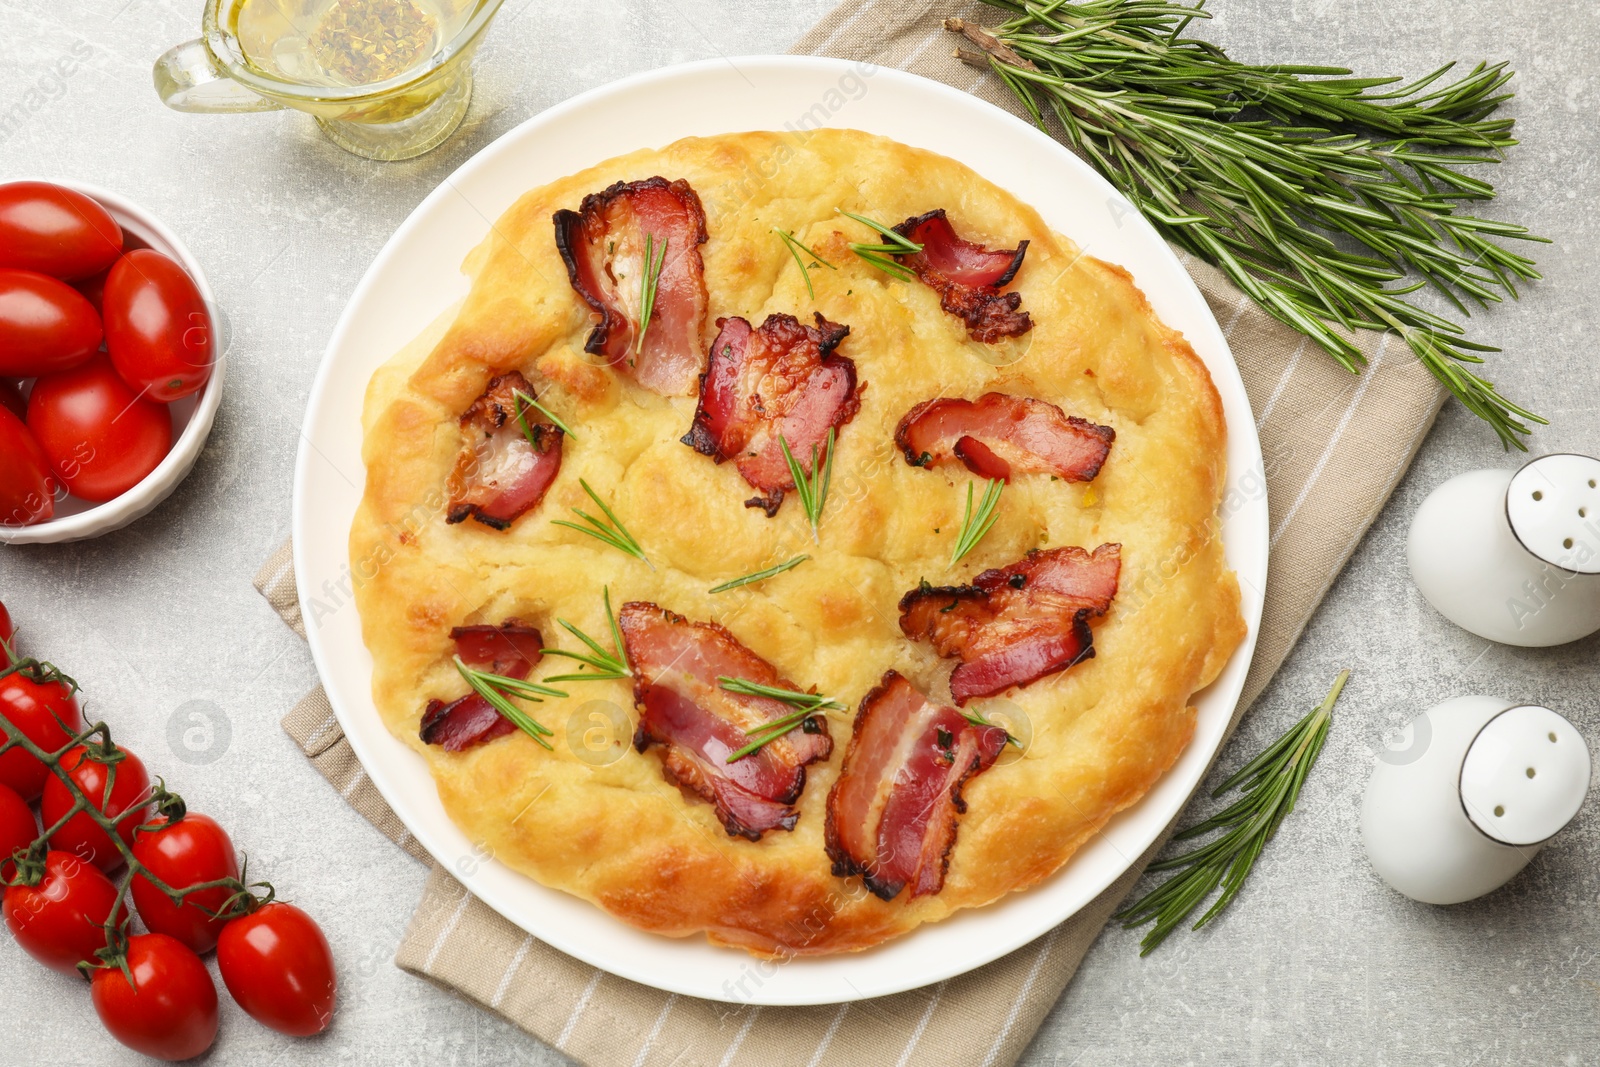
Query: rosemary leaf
<point x="894" y="244"/>
<point x="977" y="523"/>
<point x="1269" y="785"/>
<point x="812" y="489"/>
<point x="613" y="533"/>
<point x="978" y="720"/>
<point x="807" y="701"/>
<point x="607" y="665"/>
<point x="648" y="283"/>
<point x="481" y="684"/>
<point x="759" y="576"/>
<point x="524" y="401"/>
<point x="805" y="704"/>
<point x="795" y="248"/>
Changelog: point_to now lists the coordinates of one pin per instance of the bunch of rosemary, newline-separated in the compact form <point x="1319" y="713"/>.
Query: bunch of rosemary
<point x="1325" y="197"/>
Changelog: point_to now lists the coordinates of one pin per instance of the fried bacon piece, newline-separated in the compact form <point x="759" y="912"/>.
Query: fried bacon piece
<point x="501" y="474"/>
<point x="676" y="664"/>
<point x="893" y="812"/>
<point x="1014" y="625"/>
<point x="510" y="649"/>
<point x="967" y="277"/>
<point x="781" y="379"/>
<point x="603" y="246"/>
<point x="998" y="434"/>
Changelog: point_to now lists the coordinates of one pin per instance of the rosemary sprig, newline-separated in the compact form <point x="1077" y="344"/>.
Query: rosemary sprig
<point x="759" y="576"/>
<point x="977" y="523"/>
<point x="607" y="665"/>
<point x="878" y="255"/>
<point x="805" y="705"/>
<point x="493" y="688"/>
<point x="795" y="248"/>
<point x="613" y="533"/>
<point x="647" y="287"/>
<point x="1271" y="785"/>
<point x="524" y="401"/>
<point x="812" y="489"/>
<point x="1276" y="174"/>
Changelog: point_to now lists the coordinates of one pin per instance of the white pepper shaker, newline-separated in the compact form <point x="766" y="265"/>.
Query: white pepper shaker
<point x="1482" y="785"/>
<point x="1514" y="556"/>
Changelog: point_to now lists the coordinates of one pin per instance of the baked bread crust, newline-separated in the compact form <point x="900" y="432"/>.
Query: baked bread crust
<point x="595" y="818"/>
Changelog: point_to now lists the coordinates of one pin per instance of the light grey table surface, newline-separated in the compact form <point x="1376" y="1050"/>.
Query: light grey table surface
<point x="1317" y="962"/>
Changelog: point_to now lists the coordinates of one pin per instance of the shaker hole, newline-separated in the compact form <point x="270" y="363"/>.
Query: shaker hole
<point x="1531" y="772"/>
<point x="1499" y="809"/>
<point x="1567" y="543"/>
<point x="1591" y="483"/>
<point x="1552" y="736"/>
<point x="1538" y="494"/>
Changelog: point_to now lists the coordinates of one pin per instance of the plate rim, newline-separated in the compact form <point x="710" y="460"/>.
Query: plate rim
<point x="1230" y="680"/>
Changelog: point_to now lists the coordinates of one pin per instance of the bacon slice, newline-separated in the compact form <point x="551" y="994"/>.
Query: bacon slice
<point x="603" y="246"/>
<point x="780" y="379"/>
<point x="510" y="649"/>
<point x="676" y="664"/>
<point x="967" y="277"/>
<point x="1014" y="625"/>
<point x="999" y="434"/>
<point x="501" y="474"/>
<point x="893" y="813"/>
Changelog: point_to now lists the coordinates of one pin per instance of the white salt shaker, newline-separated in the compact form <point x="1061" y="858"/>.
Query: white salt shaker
<point x="1479" y="789"/>
<point x="1514" y="556"/>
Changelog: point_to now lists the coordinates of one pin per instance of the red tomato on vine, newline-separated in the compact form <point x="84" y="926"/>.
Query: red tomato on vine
<point x="61" y="920"/>
<point x="168" y="1010"/>
<point x="42" y="705"/>
<point x="191" y="851"/>
<point x="278" y="966"/>
<point x="112" y="788"/>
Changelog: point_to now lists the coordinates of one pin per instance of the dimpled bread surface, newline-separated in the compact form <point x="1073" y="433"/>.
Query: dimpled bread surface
<point x="595" y="818"/>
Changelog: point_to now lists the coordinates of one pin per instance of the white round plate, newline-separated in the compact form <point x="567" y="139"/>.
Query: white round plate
<point x="416" y="277"/>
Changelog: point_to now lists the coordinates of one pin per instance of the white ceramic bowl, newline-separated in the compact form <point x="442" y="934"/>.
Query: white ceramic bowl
<point x="192" y="416"/>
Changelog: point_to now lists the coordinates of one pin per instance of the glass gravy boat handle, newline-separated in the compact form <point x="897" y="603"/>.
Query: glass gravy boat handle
<point x="189" y="79"/>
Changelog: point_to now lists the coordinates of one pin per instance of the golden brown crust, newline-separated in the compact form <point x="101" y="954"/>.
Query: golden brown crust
<point x="612" y="830"/>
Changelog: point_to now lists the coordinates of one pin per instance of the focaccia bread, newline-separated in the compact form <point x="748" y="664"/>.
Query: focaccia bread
<point x="596" y="817"/>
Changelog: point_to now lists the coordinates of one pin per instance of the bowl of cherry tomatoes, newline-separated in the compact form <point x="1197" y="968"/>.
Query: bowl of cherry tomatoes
<point x="110" y="370"/>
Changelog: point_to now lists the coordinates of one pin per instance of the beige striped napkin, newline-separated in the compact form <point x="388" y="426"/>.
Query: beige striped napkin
<point x="1335" y="445"/>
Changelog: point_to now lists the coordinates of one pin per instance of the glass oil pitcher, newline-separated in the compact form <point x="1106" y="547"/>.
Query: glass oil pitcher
<point x="385" y="79"/>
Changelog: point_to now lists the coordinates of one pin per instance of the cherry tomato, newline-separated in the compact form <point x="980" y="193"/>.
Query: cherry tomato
<point x="45" y="325"/>
<point x="192" y="850"/>
<point x="35" y="708"/>
<point x="158" y="330"/>
<point x="55" y="231"/>
<point x="7" y="631"/>
<point x="110" y="793"/>
<point x="11" y="398"/>
<point x="18" y="828"/>
<point x="278" y="966"/>
<point x="61" y="921"/>
<point x="100" y="437"/>
<point x="169" y="1012"/>
<point x="27" y="486"/>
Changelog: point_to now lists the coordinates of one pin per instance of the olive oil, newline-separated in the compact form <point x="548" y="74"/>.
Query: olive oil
<point x="346" y="42"/>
